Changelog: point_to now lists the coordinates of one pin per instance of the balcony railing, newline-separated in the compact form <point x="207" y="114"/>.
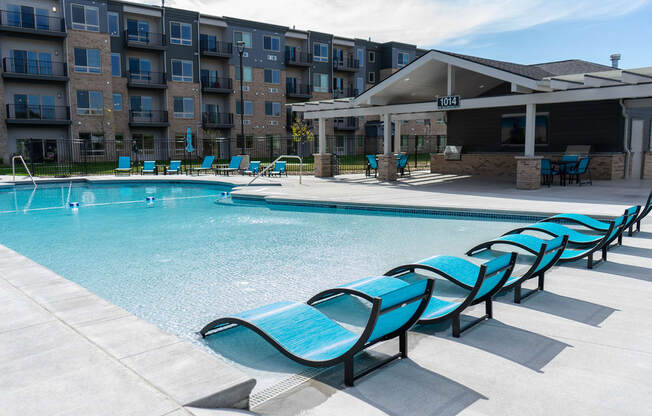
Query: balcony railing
<point x="148" y="117"/>
<point x="146" y="40"/>
<point x="298" y="90"/>
<point x="147" y="79"/>
<point x="216" y="84"/>
<point x="41" y="113"/>
<point x="34" y="67"/>
<point x="345" y="92"/>
<point x="32" y="22"/>
<point x="298" y="58"/>
<point x="217" y="48"/>
<point x="346" y="64"/>
<point x="217" y="120"/>
<point x="348" y="123"/>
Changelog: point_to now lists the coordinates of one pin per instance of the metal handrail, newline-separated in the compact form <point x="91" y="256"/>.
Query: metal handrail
<point x="13" y="168"/>
<point x="272" y="164"/>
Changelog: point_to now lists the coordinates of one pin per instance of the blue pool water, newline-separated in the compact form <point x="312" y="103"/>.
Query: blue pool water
<point x="185" y="260"/>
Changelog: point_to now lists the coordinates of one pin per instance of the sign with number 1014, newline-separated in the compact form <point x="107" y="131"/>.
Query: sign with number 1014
<point x="448" y="101"/>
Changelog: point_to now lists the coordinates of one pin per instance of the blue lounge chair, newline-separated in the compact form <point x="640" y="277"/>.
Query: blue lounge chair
<point x="175" y="167"/>
<point x="582" y="168"/>
<point x="307" y="336"/>
<point x="643" y="213"/>
<point x="402" y="164"/>
<point x="206" y="165"/>
<point x="546" y="252"/>
<point x="547" y="172"/>
<point x="597" y="225"/>
<point x="149" y="166"/>
<point x="124" y="165"/>
<point x="279" y="169"/>
<point x="372" y="163"/>
<point x="254" y="168"/>
<point x="482" y="282"/>
<point x="234" y="166"/>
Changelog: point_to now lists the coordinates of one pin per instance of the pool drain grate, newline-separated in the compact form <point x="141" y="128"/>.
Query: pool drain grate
<point x="283" y="386"/>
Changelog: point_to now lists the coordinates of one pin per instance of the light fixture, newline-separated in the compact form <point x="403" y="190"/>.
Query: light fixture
<point x="54" y="9"/>
<point x="406" y="79"/>
<point x="481" y="86"/>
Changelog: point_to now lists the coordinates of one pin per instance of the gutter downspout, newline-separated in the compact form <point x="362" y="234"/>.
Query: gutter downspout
<point x="628" y="151"/>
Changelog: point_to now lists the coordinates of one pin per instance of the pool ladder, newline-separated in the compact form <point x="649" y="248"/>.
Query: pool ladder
<point x="276" y="160"/>
<point x="13" y="168"/>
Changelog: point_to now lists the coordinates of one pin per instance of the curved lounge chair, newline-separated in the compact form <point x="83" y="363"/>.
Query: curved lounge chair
<point x="643" y="213"/>
<point x="482" y="282"/>
<point x="547" y="254"/>
<point x="597" y="225"/>
<point x="307" y="336"/>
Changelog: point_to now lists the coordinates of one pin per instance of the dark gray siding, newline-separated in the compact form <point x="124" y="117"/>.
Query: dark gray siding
<point x="100" y="5"/>
<point x="118" y="43"/>
<point x="185" y="52"/>
<point x="257" y="56"/>
<point x="322" y="67"/>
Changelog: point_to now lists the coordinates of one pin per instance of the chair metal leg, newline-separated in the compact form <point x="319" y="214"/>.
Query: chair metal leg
<point x="517" y="293"/>
<point x="402" y="344"/>
<point x="541" y="280"/>
<point x="456" y="326"/>
<point x="348" y="372"/>
<point x="489" y="309"/>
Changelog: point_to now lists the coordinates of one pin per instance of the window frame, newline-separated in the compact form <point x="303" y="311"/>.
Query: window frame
<point x="244" y="73"/>
<point x="87" y="69"/>
<point x="275" y="75"/>
<point x="398" y="59"/>
<point x="90" y="111"/>
<point x="274" y="108"/>
<point x="113" y="55"/>
<point x="320" y="57"/>
<point x="248" y="45"/>
<point x="180" y="40"/>
<point x="322" y="77"/>
<point x="121" y="106"/>
<point x="271" y="43"/>
<point x="85" y="26"/>
<point x="370" y="75"/>
<point x="371" y="56"/>
<point x="184" y="114"/>
<point x="247" y="104"/>
<point x="117" y="22"/>
<point x="182" y="77"/>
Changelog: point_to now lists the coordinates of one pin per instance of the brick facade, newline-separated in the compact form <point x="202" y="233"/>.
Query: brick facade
<point x="528" y="172"/>
<point x="647" y="166"/>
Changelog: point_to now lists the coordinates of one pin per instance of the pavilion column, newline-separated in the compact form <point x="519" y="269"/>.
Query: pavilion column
<point x="387" y="161"/>
<point x="528" y="166"/>
<point x="397" y="136"/>
<point x="323" y="160"/>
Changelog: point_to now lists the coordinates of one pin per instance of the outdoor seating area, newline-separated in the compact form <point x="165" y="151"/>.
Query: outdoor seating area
<point x="570" y="169"/>
<point x="402" y="165"/>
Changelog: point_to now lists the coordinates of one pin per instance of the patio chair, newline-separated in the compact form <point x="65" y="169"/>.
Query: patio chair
<point x="546" y="252"/>
<point x="279" y="169"/>
<point x="206" y="165"/>
<point x="594" y="224"/>
<point x="372" y="163"/>
<point x="304" y="334"/>
<point x="582" y="168"/>
<point x="124" y="165"/>
<point x="175" y="167"/>
<point x="482" y="282"/>
<point x="547" y="172"/>
<point x="402" y="164"/>
<point x="149" y="166"/>
<point x="234" y="166"/>
<point x="254" y="168"/>
<point x="644" y="211"/>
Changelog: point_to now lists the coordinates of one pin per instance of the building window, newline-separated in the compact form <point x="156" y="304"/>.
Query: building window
<point x="27" y="17"/>
<point x="29" y="62"/>
<point x="248" y="108"/>
<point x="242" y="36"/>
<point x="114" y="24"/>
<point x="372" y="56"/>
<point x="246" y="73"/>
<point x="116" y="71"/>
<point x="117" y="102"/>
<point x="272" y="108"/>
<point x="87" y="60"/>
<point x="403" y="59"/>
<point x="359" y="84"/>
<point x="272" y="76"/>
<point x="320" y="52"/>
<point x="180" y="33"/>
<point x="138" y="30"/>
<point x="139" y="69"/>
<point x="184" y="107"/>
<point x="85" y="18"/>
<point x="89" y="103"/>
<point x="512" y="129"/>
<point x="245" y="143"/>
<point x="372" y="77"/>
<point x="271" y="43"/>
<point x="320" y="82"/>
<point x="181" y="70"/>
<point x="95" y="144"/>
<point x="360" y="56"/>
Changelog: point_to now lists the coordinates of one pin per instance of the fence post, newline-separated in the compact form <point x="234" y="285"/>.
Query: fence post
<point x="31" y="155"/>
<point x="416" y="153"/>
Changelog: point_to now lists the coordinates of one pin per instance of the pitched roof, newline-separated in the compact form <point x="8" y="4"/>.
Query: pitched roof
<point x="571" y="66"/>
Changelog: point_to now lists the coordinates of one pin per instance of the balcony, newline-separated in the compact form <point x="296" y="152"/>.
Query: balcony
<point x="346" y="64"/>
<point x="32" y="25"/>
<point x="217" y="120"/>
<point x="148" y="118"/>
<point x="216" y="85"/>
<point x="145" y="40"/>
<point x="348" y="123"/>
<point x="345" y="92"/>
<point x="217" y="49"/>
<point x="298" y="90"/>
<point x="298" y="59"/>
<point x="42" y="115"/>
<point x="34" y="70"/>
<point x="156" y="80"/>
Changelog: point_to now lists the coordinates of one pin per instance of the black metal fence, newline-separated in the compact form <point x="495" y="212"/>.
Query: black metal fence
<point x="96" y="156"/>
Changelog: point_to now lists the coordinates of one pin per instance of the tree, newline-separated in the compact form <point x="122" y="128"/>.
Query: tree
<point x="301" y="133"/>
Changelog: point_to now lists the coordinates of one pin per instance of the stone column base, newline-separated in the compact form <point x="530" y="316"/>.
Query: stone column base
<point x="323" y="165"/>
<point x="528" y="172"/>
<point x="386" y="167"/>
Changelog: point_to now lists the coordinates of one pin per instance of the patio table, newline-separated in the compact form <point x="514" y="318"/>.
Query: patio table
<point x="563" y="169"/>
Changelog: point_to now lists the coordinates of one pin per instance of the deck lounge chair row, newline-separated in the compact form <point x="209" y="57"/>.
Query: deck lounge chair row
<point x="149" y="166"/>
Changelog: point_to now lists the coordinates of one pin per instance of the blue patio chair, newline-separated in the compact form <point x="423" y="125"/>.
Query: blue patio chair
<point x="372" y="163"/>
<point x="149" y="166"/>
<point x="206" y="165"/>
<point x="582" y="168"/>
<point x="402" y="164"/>
<point x="594" y="224"/>
<point x="279" y="169"/>
<point x="547" y="172"/>
<point x="482" y="282"/>
<point x="304" y="334"/>
<point x="254" y="168"/>
<point x="234" y="166"/>
<point x="124" y="165"/>
<point x="175" y="167"/>
<point x="644" y="211"/>
<point x="546" y="252"/>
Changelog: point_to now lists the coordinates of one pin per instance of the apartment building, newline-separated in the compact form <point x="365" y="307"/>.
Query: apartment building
<point x="124" y="76"/>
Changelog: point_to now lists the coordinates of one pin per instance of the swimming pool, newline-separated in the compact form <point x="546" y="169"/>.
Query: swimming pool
<point x="186" y="259"/>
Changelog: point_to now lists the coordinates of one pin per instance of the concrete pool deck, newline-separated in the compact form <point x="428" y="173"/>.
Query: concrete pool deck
<point x="582" y="346"/>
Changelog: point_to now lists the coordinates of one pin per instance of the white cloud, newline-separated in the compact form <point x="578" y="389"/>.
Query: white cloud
<point x="422" y="22"/>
